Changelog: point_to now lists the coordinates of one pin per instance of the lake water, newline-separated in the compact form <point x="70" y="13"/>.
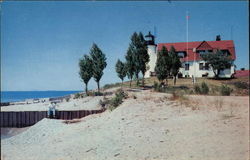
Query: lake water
<point x="14" y="96"/>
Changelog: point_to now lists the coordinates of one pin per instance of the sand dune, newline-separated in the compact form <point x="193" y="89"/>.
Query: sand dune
<point x="148" y="127"/>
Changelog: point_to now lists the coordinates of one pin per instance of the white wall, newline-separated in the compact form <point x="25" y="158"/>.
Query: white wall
<point x="152" y="59"/>
<point x="194" y="70"/>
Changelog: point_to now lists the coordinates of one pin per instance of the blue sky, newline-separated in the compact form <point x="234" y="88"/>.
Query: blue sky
<point x="42" y="42"/>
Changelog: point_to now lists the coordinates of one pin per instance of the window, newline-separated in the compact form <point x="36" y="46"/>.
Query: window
<point x="201" y="66"/>
<point x="181" y="54"/>
<point x="206" y="66"/>
<point x="225" y="52"/>
<point x="204" y="51"/>
<point x="186" y="67"/>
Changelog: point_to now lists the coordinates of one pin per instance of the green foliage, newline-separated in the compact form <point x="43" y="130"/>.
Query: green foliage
<point x="167" y="63"/>
<point x="104" y="103"/>
<point x="78" y="95"/>
<point x="112" y="85"/>
<point x="241" y="85"/>
<point x="121" y="69"/>
<point x="175" y="63"/>
<point x="225" y="90"/>
<point x="117" y="99"/>
<point x="202" y="89"/>
<point x="85" y="72"/>
<point x="143" y="54"/>
<point x="99" y="63"/>
<point x="137" y="57"/>
<point x="218" y="61"/>
<point x="130" y="64"/>
<point x="158" y="87"/>
<point x="67" y="99"/>
<point x="197" y="89"/>
<point x="163" y="64"/>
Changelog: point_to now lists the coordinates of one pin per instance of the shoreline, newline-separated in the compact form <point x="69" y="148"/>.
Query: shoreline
<point x="38" y="99"/>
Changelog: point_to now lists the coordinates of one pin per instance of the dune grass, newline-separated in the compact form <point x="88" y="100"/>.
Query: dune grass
<point x="186" y="86"/>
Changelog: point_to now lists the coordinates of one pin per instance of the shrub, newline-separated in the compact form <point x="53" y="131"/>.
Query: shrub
<point x="78" y="95"/>
<point x="204" y="88"/>
<point x="241" y="85"/>
<point x="156" y="86"/>
<point x="98" y="94"/>
<point x="159" y="87"/>
<point x="117" y="100"/>
<point x="93" y="93"/>
<point x="107" y="86"/>
<point x="104" y="103"/>
<point x="225" y="90"/>
<point x="67" y="99"/>
<point x="197" y="89"/>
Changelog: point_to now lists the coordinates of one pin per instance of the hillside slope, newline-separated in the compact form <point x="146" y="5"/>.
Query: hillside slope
<point x="147" y="125"/>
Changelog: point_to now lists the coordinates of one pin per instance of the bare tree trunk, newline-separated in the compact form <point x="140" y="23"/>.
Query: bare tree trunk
<point x="166" y="81"/>
<point x="143" y="80"/>
<point x="174" y="80"/>
<point x="218" y="73"/>
<point x="130" y="83"/>
<point x="86" y="89"/>
<point x="137" y="80"/>
<point x="98" y="86"/>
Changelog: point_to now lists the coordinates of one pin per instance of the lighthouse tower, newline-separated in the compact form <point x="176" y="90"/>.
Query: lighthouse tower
<point x="150" y="40"/>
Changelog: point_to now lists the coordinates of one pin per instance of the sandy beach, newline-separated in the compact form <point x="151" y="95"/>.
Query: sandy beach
<point x="147" y="125"/>
<point x="87" y="103"/>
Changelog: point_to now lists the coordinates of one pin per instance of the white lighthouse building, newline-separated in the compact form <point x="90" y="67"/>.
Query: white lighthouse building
<point x="192" y="63"/>
<point x="152" y="52"/>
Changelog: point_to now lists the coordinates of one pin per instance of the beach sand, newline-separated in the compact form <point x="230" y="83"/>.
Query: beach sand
<point x="86" y="103"/>
<point x="148" y="126"/>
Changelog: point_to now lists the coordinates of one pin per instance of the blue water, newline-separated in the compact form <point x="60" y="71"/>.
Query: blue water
<point x="14" y="96"/>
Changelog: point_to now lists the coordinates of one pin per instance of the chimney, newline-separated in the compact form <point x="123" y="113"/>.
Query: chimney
<point x="218" y="38"/>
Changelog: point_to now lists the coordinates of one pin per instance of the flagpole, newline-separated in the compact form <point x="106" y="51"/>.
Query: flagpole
<point x="187" y="37"/>
<point x="193" y="79"/>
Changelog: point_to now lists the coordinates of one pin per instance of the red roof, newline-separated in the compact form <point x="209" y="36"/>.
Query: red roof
<point x="200" y="45"/>
<point x="241" y="73"/>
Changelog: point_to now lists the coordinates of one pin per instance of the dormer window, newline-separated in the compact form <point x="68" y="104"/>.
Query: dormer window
<point x="225" y="52"/>
<point x="181" y="54"/>
<point x="204" y="51"/>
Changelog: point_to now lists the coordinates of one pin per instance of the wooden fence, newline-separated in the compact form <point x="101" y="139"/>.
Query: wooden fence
<point x="28" y="118"/>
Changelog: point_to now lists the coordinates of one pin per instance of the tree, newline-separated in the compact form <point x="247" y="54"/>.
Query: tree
<point x="175" y="63"/>
<point x="121" y="70"/>
<point x="130" y="65"/>
<point x="144" y="57"/>
<point x="140" y="56"/>
<point x="134" y="44"/>
<point x="163" y="64"/>
<point x="85" y="72"/>
<point x="218" y="61"/>
<point x="99" y="63"/>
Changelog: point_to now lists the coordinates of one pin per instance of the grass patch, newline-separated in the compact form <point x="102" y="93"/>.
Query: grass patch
<point x="241" y="85"/>
<point x="115" y="101"/>
<point x="225" y="90"/>
<point x="79" y="95"/>
<point x="186" y="85"/>
<point x="201" y="89"/>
